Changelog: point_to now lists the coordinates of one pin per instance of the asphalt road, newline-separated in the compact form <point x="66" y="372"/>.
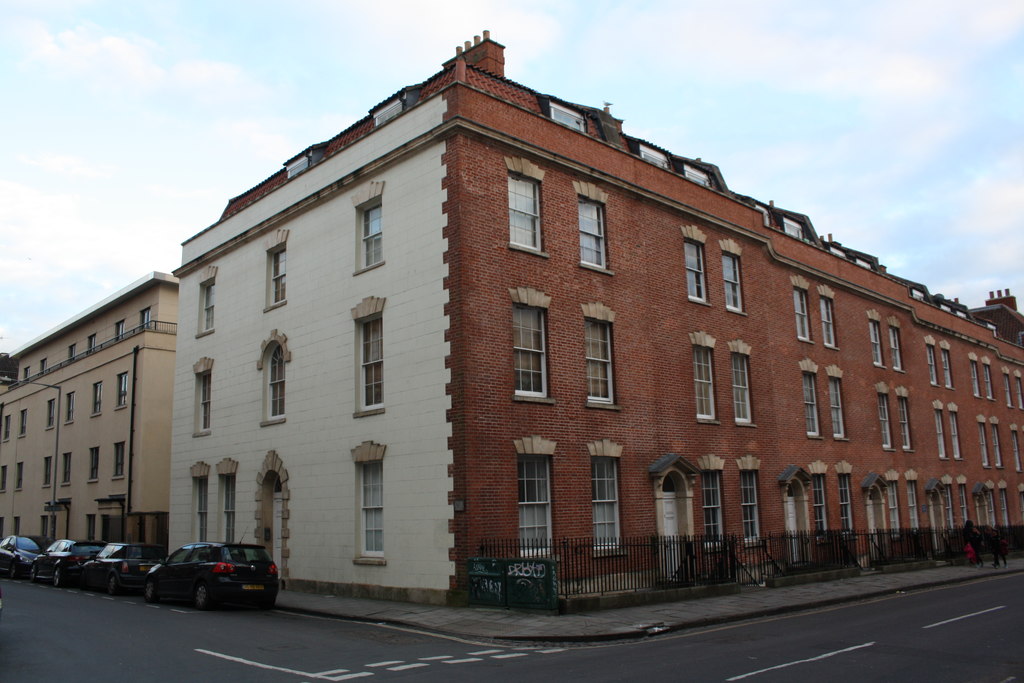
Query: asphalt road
<point x="967" y="632"/>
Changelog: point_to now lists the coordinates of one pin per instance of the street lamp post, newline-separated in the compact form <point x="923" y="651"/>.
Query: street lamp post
<point x="56" y="446"/>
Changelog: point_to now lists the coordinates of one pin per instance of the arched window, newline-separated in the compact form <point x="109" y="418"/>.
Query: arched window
<point x="276" y="387"/>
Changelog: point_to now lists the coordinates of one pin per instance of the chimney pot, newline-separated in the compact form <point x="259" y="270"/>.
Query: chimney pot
<point x="991" y="294"/>
<point x="476" y="40"/>
<point x="487" y="35"/>
<point x="467" y="45"/>
<point x="458" y="50"/>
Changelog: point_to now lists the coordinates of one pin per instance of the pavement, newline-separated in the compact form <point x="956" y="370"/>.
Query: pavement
<point x="633" y="622"/>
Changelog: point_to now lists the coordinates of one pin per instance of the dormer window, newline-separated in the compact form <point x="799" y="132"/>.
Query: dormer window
<point x="917" y="294"/>
<point x="792" y="228"/>
<point x="696" y="175"/>
<point x="387" y="112"/>
<point x="567" y="117"/>
<point x="862" y="263"/>
<point x="298" y="166"/>
<point x="653" y="156"/>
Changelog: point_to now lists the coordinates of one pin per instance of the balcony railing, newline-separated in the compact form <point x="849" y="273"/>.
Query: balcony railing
<point x="157" y="326"/>
<point x="643" y="563"/>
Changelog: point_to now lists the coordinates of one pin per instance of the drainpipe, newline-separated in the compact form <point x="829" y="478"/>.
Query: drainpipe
<point x="131" y="443"/>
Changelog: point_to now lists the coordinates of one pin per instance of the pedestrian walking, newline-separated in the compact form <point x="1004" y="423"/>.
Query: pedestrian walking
<point x="997" y="545"/>
<point x="972" y="543"/>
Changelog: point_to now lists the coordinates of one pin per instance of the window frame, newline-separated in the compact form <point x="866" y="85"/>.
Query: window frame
<point x="947" y="368"/>
<point x="371" y="362"/>
<point x="975" y="379"/>
<point x="802" y="314"/>
<point x="97" y="398"/>
<point x="895" y="348"/>
<point x="819" y="502"/>
<point x="535" y="326"/>
<point x="711" y="503"/>
<point x="371" y="508"/>
<point x="828" y="326"/>
<point x="812" y="421"/>
<point x="835" y="400"/>
<point x="986" y="372"/>
<point x="599" y="367"/>
<point x="940" y="435"/>
<point x="704" y="382"/>
<point x="696" y="275"/>
<point x="741" y="404"/>
<point x="119" y="457"/>
<point x="983" y="443"/>
<point x="94" y="463"/>
<point x="845" y="502"/>
<point x="875" y="335"/>
<point x="207" y="297"/>
<point x="568" y="117"/>
<point x="593" y="231"/>
<point x="518" y="213"/>
<point x="903" y="412"/>
<point x="954" y="435"/>
<point x="204" y="395"/>
<point x="276" y="383"/>
<point x="933" y="371"/>
<point x="534" y="468"/>
<point x="997" y="451"/>
<point x="732" y="282"/>
<point x="604" y="487"/>
<point x="229" y="502"/>
<point x="200" y="507"/>
<point x="371" y="221"/>
<point x="883" y="420"/>
<point x="750" y="513"/>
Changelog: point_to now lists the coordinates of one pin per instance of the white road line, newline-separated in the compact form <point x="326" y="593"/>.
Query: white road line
<point x="391" y="663"/>
<point x="270" y="667"/>
<point x="434" y="659"/>
<point x="966" y="616"/>
<point x="510" y="655"/>
<point x="800" y="661"/>
<point x="552" y="651"/>
<point x="403" y="667"/>
<point x="333" y="672"/>
<point x="485" y="652"/>
<point x="462" y="661"/>
<point x="182" y="611"/>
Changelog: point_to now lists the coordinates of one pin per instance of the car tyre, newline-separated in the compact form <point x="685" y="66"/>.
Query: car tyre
<point x="58" y="577"/>
<point x="12" y="570"/>
<point x="149" y="592"/>
<point x="113" y="587"/>
<point x="33" y="573"/>
<point x="201" y="597"/>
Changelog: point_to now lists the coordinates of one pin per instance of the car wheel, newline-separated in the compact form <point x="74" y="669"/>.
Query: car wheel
<point x="113" y="588"/>
<point x="201" y="597"/>
<point x="58" y="577"/>
<point x="12" y="570"/>
<point x="33" y="574"/>
<point x="149" y="592"/>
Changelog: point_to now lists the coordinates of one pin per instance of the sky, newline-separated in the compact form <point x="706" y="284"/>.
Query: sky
<point x="896" y="125"/>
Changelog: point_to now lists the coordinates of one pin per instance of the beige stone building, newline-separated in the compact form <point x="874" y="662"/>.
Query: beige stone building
<point x="85" y="426"/>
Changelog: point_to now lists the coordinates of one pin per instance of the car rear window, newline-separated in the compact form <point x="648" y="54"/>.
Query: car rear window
<point x="88" y="547"/>
<point x="247" y="554"/>
<point x="146" y="552"/>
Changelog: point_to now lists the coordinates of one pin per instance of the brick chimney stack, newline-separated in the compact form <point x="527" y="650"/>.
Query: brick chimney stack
<point x="1002" y="298"/>
<point x="484" y="54"/>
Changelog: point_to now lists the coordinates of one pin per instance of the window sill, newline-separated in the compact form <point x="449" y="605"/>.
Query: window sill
<point x="879" y="365"/>
<point x="888" y="449"/>
<point x="279" y="304"/>
<point x="196" y="435"/>
<point x="370" y="561"/>
<point x="121" y="407"/>
<point x="805" y="340"/>
<point x="65" y="483"/>
<point x="600" y="405"/>
<point x="597" y="268"/>
<point x="528" y="250"/>
<point x="737" y="311"/>
<point x="746" y="424"/>
<point x="545" y="400"/>
<point x="840" y="438"/>
<point x="908" y="450"/>
<point x="831" y="346"/>
<point x="707" y="421"/>
<point x="368" y="413"/>
<point x="117" y="477"/>
<point x="273" y="421"/>
<point x="365" y="269"/>
<point x="702" y="302"/>
<point x="816" y="437"/>
<point x="205" y="333"/>
<point x="900" y="370"/>
<point x="92" y="480"/>
<point x="92" y="415"/>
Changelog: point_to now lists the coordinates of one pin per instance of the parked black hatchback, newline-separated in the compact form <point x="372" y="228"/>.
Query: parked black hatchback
<point x="121" y="566"/>
<point x="63" y="560"/>
<point x="209" y="573"/>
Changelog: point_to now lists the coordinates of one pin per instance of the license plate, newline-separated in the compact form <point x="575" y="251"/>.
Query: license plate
<point x="145" y="567"/>
<point x="252" y="587"/>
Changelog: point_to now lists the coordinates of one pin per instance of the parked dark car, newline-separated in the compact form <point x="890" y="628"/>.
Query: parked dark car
<point x="18" y="552"/>
<point x="62" y="561"/>
<point x="209" y="573"/>
<point x="121" y="566"/>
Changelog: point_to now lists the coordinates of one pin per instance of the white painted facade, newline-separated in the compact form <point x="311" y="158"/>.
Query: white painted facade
<point x="315" y="441"/>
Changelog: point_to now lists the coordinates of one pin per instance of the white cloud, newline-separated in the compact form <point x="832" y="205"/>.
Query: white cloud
<point x="67" y="165"/>
<point x="260" y="140"/>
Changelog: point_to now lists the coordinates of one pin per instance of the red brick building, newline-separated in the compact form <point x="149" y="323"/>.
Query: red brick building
<point x="636" y="349"/>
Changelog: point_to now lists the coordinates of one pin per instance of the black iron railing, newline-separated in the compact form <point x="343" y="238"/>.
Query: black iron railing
<point x="641" y="563"/>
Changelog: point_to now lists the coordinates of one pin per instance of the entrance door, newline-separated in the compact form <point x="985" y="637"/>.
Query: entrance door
<point x="275" y="528"/>
<point x="791" y="525"/>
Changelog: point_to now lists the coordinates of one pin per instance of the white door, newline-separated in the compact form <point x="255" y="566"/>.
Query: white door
<point x="791" y="525"/>
<point x="670" y="524"/>
<point x="275" y="539"/>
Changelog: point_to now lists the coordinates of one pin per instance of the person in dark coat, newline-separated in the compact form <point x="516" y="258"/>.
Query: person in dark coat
<point x="995" y="545"/>
<point x="973" y="539"/>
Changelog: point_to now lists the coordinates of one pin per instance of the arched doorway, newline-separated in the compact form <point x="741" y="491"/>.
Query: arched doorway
<point x="272" y="510"/>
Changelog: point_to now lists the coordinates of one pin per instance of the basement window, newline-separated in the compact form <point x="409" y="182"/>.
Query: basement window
<point x="567" y="117"/>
